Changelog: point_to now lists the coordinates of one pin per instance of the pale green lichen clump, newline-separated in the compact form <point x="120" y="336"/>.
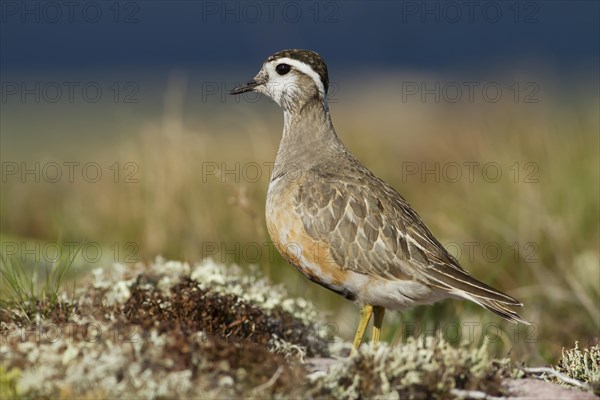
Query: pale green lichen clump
<point x="98" y="369"/>
<point x="583" y="365"/>
<point x="421" y="368"/>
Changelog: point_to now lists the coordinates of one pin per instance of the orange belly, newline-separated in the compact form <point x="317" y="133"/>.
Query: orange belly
<point x="311" y="257"/>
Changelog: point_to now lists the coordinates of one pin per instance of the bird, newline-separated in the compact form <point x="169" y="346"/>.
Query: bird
<point x="340" y="225"/>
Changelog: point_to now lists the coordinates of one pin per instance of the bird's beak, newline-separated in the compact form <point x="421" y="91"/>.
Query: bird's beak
<point x="246" y="87"/>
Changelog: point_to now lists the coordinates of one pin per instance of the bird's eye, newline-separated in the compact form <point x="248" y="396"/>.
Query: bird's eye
<point x="282" y="69"/>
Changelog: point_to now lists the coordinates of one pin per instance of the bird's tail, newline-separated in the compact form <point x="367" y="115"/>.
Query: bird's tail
<point x="458" y="282"/>
<point x="499" y="307"/>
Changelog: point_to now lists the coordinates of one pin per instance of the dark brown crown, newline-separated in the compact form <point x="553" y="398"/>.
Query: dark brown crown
<point x="308" y="57"/>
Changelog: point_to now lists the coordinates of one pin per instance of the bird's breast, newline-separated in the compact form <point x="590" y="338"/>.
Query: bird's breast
<point x="309" y="255"/>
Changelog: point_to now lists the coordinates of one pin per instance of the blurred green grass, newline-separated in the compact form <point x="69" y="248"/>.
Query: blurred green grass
<point x="191" y="182"/>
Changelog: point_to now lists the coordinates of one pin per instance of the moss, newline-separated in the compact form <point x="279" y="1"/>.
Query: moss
<point x="583" y="365"/>
<point x="191" y="308"/>
<point x="8" y="382"/>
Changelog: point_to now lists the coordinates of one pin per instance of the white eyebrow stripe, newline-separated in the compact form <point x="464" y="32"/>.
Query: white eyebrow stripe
<point x="305" y="69"/>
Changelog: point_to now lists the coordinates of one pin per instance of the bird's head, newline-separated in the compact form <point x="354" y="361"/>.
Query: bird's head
<point x="291" y="78"/>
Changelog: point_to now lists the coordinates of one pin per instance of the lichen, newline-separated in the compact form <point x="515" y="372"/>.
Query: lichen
<point x="418" y="369"/>
<point x="289" y="350"/>
<point x="583" y="365"/>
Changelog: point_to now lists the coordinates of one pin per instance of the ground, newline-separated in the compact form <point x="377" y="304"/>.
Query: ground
<point x="174" y="330"/>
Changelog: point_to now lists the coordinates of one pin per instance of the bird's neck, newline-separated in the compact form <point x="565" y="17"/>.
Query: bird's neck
<point x="308" y="137"/>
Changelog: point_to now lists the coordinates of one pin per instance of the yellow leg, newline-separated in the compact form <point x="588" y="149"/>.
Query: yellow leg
<point x="365" y="317"/>
<point x="377" y="322"/>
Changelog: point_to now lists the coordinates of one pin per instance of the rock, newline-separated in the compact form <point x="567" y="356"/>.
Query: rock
<point x="536" y="389"/>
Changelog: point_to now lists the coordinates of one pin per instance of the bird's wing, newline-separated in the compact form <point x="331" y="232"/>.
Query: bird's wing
<point x="371" y="229"/>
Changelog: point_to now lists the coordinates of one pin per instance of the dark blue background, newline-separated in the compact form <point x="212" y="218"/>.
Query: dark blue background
<point x="560" y="35"/>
